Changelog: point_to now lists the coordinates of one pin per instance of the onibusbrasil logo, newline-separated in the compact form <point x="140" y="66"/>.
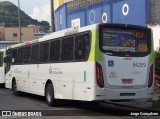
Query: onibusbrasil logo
<point x="21" y="113"/>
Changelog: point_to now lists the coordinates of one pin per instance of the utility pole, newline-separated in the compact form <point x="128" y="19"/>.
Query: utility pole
<point x="19" y="21"/>
<point x="52" y="17"/>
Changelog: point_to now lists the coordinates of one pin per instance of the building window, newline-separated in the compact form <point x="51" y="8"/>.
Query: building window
<point x="14" y="34"/>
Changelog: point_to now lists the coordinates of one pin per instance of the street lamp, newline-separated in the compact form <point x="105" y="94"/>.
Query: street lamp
<point x="19" y="21"/>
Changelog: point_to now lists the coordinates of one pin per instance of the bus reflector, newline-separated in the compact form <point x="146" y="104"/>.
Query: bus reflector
<point x="127" y="54"/>
<point x="99" y="74"/>
<point x="150" y="82"/>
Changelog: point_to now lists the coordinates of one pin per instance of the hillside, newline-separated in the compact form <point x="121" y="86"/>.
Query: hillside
<point x="9" y="16"/>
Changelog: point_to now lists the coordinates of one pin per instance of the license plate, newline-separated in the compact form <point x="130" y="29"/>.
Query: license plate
<point x="127" y="81"/>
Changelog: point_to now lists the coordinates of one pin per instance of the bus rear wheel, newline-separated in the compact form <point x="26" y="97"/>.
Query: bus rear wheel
<point x="49" y="95"/>
<point x="14" y="88"/>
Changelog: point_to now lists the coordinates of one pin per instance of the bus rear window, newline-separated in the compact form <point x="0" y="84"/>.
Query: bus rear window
<point x="123" y="39"/>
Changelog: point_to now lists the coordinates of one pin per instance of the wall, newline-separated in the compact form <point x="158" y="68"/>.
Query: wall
<point x="106" y="11"/>
<point x="156" y="35"/>
<point x="155" y="11"/>
<point x="137" y="12"/>
<point x="27" y="33"/>
<point x="2" y="36"/>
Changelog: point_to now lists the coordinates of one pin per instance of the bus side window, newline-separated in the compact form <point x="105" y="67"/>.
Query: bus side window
<point x="55" y="51"/>
<point x="20" y="55"/>
<point x="87" y="42"/>
<point x="44" y="52"/>
<point x="14" y="56"/>
<point x="35" y="53"/>
<point x="27" y="54"/>
<point x="1" y="59"/>
<point x="67" y="49"/>
<point x="82" y="46"/>
<point x="79" y="52"/>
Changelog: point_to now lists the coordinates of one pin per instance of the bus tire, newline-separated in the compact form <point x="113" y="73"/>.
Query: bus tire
<point x="14" y="88"/>
<point x="49" y="95"/>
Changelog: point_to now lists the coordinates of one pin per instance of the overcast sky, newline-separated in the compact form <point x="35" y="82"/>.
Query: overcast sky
<point x="37" y="9"/>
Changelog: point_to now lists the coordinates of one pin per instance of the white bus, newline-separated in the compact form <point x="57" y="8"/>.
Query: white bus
<point x="2" y="66"/>
<point x="92" y="63"/>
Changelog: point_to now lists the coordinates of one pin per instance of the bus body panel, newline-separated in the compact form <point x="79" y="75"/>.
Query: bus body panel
<point x="2" y="67"/>
<point x="127" y="67"/>
<point x="131" y="94"/>
<point x="74" y="81"/>
<point x="1" y="75"/>
<point x="126" y="71"/>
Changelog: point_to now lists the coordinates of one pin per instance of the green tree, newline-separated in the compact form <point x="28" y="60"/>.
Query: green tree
<point x="9" y="16"/>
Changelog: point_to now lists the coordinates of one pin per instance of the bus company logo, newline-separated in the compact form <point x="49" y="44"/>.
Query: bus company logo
<point x="50" y="70"/>
<point x="6" y="113"/>
<point x="110" y="63"/>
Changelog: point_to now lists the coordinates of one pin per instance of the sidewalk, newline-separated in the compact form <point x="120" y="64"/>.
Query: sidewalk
<point x="150" y="104"/>
<point x="156" y="101"/>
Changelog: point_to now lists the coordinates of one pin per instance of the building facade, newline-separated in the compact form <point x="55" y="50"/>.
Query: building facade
<point x="87" y="12"/>
<point x="12" y="33"/>
<point x="2" y="32"/>
<point x="70" y="13"/>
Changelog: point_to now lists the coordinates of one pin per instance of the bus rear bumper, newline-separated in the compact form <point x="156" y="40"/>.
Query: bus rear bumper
<point x="128" y="94"/>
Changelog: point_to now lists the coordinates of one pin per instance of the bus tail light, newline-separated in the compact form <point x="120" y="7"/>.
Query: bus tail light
<point x="150" y="82"/>
<point x="99" y="74"/>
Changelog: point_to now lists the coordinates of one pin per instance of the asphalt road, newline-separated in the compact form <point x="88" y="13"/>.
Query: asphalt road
<point x="27" y="103"/>
<point x="30" y="103"/>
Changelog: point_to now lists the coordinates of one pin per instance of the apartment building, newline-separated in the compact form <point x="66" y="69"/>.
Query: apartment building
<point x="12" y="33"/>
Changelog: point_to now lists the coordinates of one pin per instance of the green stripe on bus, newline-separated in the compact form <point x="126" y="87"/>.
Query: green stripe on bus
<point x="92" y="51"/>
<point x="95" y="53"/>
<point x="84" y="76"/>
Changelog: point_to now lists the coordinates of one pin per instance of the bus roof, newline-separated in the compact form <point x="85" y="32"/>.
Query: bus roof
<point x="55" y="35"/>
